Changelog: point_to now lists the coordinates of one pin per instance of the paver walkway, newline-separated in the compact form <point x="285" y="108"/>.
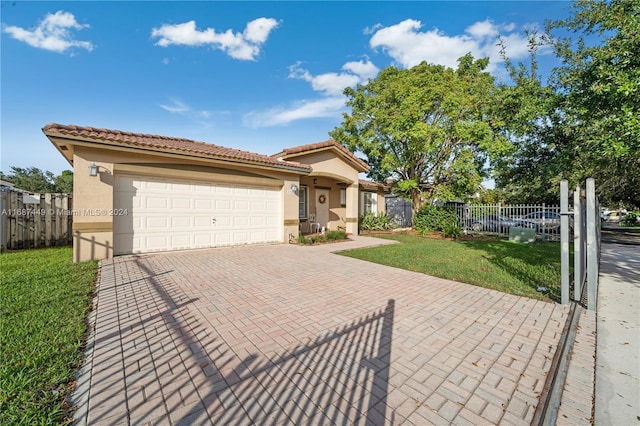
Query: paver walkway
<point x="297" y="335"/>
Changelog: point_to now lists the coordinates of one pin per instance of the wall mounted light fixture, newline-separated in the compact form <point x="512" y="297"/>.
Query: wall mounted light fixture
<point x="294" y="188"/>
<point x="93" y="169"/>
<point x="315" y="181"/>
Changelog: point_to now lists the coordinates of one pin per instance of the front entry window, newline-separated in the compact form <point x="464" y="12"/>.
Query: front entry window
<point x="303" y="202"/>
<point x="369" y="202"/>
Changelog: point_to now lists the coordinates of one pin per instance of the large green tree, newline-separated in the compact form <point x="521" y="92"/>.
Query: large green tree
<point x="600" y="80"/>
<point x="429" y="128"/>
<point x="530" y="172"/>
<point x="586" y="121"/>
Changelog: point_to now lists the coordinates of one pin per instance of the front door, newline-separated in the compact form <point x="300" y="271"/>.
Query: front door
<point x="322" y="208"/>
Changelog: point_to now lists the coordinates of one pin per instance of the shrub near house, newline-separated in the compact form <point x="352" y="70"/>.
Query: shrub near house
<point x="376" y="222"/>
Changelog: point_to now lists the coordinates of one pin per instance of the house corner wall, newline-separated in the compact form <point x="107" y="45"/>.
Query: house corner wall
<point x="92" y="208"/>
<point x="353" y="205"/>
<point x="290" y="200"/>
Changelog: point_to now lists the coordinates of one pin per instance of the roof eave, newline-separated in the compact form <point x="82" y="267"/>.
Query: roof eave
<point x="80" y="140"/>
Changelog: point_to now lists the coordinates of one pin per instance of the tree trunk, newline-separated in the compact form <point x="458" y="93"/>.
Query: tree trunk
<point x="415" y="199"/>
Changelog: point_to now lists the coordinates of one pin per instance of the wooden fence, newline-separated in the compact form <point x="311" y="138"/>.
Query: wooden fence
<point x="35" y="220"/>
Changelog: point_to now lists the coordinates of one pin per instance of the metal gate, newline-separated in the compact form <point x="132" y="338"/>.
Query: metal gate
<point x="399" y="209"/>
<point x="586" y="244"/>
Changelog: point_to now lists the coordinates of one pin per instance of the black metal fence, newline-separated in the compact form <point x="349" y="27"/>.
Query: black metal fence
<point x="400" y="210"/>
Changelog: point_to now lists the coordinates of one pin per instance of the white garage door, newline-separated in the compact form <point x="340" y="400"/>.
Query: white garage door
<point x="157" y="214"/>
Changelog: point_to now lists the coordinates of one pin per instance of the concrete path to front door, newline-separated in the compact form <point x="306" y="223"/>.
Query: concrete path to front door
<point x="286" y="334"/>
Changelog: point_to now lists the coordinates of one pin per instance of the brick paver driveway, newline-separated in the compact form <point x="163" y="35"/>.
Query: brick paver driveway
<point x="286" y="334"/>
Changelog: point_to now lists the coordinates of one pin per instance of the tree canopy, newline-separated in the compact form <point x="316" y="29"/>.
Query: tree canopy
<point x="600" y="83"/>
<point x="428" y="128"/>
<point x="586" y="121"/>
<point x="33" y="179"/>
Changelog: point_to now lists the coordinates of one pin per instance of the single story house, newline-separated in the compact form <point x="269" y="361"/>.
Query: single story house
<point x="140" y="193"/>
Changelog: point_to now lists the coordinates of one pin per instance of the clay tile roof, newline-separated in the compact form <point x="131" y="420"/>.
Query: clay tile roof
<point x="167" y="144"/>
<point x="331" y="143"/>
<point x="373" y="186"/>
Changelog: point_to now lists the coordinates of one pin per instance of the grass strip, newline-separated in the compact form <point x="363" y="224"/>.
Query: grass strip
<point x="44" y="301"/>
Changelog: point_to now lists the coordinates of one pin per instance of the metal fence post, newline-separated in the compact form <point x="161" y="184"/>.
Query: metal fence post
<point x="592" y="246"/>
<point x="577" y="245"/>
<point x="564" y="241"/>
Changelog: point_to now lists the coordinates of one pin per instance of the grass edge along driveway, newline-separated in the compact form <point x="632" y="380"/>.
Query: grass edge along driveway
<point x="44" y="302"/>
<point x="514" y="268"/>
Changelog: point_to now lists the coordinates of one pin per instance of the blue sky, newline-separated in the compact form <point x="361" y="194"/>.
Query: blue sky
<point x="257" y="76"/>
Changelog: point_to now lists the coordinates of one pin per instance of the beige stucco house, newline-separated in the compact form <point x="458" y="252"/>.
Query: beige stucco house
<point x="139" y="193"/>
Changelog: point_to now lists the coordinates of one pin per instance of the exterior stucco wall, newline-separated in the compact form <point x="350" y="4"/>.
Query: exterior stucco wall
<point x="382" y="204"/>
<point x="92" y="207"/>
<point x="93" y="195"/>
<point x="329" y="171"/>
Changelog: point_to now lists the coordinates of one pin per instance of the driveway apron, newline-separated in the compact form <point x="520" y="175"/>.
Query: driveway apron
<point x="286" y="334"/>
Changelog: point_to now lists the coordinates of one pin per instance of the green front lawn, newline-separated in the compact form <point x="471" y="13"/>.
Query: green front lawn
<point x="500" y="265"/>
<point x="44" y="301"/>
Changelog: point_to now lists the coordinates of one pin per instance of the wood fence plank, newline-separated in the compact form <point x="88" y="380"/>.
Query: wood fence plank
<point x="48" y="225"/>
<point x="64" y="222"/>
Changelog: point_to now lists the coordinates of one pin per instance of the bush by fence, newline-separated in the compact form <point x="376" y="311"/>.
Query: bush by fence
<point x="435" y="218"/>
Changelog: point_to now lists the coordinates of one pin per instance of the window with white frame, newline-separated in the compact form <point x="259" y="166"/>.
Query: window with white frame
<point x="369" y="202"/>
<point x="303" y="202"/>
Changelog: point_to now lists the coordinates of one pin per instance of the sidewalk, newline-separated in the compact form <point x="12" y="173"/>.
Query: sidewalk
<point x="617" y="400"/>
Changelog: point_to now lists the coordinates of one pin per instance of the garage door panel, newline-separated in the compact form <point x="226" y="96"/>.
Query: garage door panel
<point x="172" y="214"/>
<point x="204" y="222"/>
<point x="222" y="238"/>
<point x="157" y="223"/>
<point x="203" y="239"/>
<point x="180" y="222"/>
<point x="240" y="237"/>
<point x="222" y="221"/>
<point x="157" y="202"/>
<point x="155" y="184"/>
<point x="181" y="203"/>
<point x="182" y="187"/>
<point x="271" y="235"/>
<point x="201" y="204"/>
<point x="257" y="221"/>
<point x="181" y="241"/>
<point x="240" y="221"/>
<point x="222" y="189"/>
<point x="223" y="204"/>
<point x="155" y="242"/>
<point x="242" y="205"/>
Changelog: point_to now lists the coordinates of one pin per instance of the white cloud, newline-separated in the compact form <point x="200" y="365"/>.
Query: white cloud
<point x="202" y="117"/>
<point x="329" y="85"/>
<point x="408" y="45"/>
<point x="372" y="29"/>
<point x="53" y="33"/>
<point x="176" y="107"/>
<point x="365" y="70"/>
<point x="325" y="107"/>
<point x="334" y="83"/>
<point x="244" y="46"/>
